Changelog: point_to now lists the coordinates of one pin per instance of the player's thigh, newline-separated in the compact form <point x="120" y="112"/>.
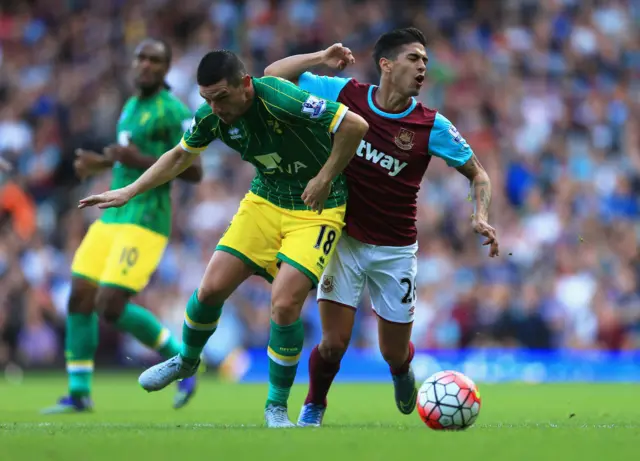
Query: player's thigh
<point x="254" y="235"/>
<point x="310" y="240"/>
<point x="337" y="326"/>
<point x="289" y="292"/>
<point x="224" y="274"/>
<point x="391" y="278"/>
<point x="90" y="259"/>
<point x="134" y="257"/>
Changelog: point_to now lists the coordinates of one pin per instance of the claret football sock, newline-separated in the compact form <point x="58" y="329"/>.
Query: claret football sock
<point x="285" y="346"/>
<point x="81" y="342"/>
<point x="146" y="328"/>
<point x="321" y="375"/>
<point x="404" y="368"/>
<point x="200" y="322"/>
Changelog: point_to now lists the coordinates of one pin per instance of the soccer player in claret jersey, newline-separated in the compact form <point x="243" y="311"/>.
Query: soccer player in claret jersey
<point x="287" y="225"/>
<point x="379" y="247"/>
<point x="123" y="248"/>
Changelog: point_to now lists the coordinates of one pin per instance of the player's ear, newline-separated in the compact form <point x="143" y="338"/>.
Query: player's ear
<point x="246" y="81"/>
<point x="385" y="65"/>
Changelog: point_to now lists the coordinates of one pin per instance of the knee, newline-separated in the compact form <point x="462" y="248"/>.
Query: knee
<point x="81" y="302"/>
<point x="211" y="293"/>
<point x="333" y="347"/>
<point x="110" y="304"/>
<point x="285" y="307"/>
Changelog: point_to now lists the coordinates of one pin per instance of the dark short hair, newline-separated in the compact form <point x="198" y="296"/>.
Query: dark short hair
<point x="389" y="44"/>
<point x="219" y="65"/>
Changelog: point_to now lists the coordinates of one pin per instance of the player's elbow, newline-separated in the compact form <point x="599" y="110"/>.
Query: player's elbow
<point x="354" y="125"/>
<point x="270" y="71"/>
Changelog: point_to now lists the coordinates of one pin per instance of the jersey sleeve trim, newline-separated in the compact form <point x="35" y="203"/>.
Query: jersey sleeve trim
<point x="191" y="150"/>
<point x="184" y="142"/>
<point x="337" y="118"/>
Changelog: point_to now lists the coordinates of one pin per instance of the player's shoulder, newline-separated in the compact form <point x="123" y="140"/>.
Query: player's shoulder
<point x="270" y="85"/>
<point x="423" y="114"/>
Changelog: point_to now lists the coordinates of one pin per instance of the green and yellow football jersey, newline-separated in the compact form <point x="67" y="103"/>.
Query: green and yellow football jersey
<point x="286" y="134"/>
<point x="155" y="125"/>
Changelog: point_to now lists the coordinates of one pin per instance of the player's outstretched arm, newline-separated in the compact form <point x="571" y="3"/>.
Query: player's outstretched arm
<point x="168" y="167"/>
<point x="290" y="68"/>
<point x="345" y="142"/>
<point x="481" y="185"/>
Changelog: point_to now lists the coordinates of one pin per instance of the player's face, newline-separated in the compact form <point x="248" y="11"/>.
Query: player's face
<point x="408" y="70"/>
<point x="150" y="65"/>
<point x="228" y="101"/>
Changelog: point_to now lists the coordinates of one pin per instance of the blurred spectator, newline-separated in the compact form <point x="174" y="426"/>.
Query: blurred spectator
<point x="546" y="92"/>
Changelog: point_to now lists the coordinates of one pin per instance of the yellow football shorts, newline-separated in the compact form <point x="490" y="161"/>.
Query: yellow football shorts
<point x="119" y="255"/>
<point x="262" y="234"/>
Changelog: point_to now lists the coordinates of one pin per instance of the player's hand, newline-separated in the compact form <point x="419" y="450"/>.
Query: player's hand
<point x="127" y="155"/>
<point x="337" y="56"/>
<point x="316" y="193"/>
<point x="111" y="199"/>
<point x="88" y="163"/>
<point x="483" y="228"/>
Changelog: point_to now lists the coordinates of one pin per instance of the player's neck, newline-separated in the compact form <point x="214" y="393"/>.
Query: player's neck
<point x="389" y="100"/>
<point x="144" y="93"/>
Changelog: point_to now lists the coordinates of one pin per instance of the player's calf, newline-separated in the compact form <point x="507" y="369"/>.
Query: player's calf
<point x="286" y="337"/>
<point x="398" y="351"/>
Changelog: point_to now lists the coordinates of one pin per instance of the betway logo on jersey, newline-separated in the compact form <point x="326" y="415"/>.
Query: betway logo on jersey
<point x="376" y="157"/>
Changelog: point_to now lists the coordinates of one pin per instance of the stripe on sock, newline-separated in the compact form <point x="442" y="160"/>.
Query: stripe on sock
<point x="283" y="360"/>
<point x="199" y="326"/>
<point x="78" y="366"/>
<point x="163" y="338"/>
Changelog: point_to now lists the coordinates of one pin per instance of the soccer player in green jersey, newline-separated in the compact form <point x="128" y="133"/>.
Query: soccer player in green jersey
<point x="288" y="223"/>
<point x="123" y="248"/>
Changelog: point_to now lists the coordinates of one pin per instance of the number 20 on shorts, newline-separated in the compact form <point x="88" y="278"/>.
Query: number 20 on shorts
<point x="328" y="242"/>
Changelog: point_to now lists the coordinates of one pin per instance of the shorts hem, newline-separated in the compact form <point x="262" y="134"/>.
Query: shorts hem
<point x="395" y="322"/>
<point x="347" y="306"/>
<point x="118" y="286"/>
<point x="245" y="259"/>
<point x="301" y="268"/>
<point x="85" y="277"/>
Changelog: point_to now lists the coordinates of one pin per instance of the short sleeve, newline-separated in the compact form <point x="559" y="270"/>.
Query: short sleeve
<point x="322" y="86"/>
<point x="291" y="104"/>
<point x="200" y="131"/>
<point x="446" y="142"/>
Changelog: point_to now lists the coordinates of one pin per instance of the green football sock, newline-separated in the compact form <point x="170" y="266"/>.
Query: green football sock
<point x="81" y="342"/>
<point x="285" y="345"/>
<point x="146" y="328"/>
<point x="200" y="322"/>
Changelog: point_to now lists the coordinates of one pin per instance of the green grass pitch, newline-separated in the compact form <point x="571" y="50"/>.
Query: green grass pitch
<point x="224" y="422"/>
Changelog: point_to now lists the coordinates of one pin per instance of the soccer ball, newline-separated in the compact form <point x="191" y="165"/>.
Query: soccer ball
<point x="448" y="400"/>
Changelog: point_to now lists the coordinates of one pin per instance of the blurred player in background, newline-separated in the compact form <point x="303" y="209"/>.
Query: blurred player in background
<point x="123" y="248"/>
<point x="287" y="225"/>
<point x="379" y="248"/>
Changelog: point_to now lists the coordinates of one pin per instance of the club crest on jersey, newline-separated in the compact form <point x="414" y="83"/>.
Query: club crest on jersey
<point x="327" y="284"/>
<point x="314" y="106"/>
<point x="404" y="139"/>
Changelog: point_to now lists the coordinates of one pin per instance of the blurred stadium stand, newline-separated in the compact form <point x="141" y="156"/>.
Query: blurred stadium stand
<point x="547" y="93"/>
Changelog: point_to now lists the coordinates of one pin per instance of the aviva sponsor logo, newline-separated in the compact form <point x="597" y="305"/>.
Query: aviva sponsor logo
<point x="273" y="162"/>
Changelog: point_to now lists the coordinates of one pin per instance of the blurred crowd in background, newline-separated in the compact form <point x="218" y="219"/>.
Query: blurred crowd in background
<point x="547" y="93"/>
